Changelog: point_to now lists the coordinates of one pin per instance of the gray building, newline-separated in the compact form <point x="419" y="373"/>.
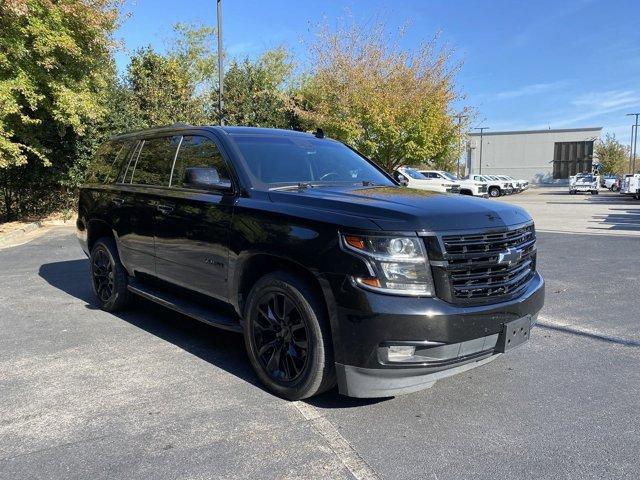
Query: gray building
<point x="540" y="156"/>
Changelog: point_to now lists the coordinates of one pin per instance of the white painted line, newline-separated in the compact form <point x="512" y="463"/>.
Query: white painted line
<point x="340" y="446"/>
<point x="544" y="321"/>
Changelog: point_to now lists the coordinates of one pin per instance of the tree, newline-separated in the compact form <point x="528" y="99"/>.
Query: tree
<point x="257" y="93"/>
<point x="393" y="106"/>
<point x="55" y="61"/>
<point x="612" y="154"/>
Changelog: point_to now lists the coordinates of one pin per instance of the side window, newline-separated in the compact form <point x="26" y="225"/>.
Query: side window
<point x="107" y="161"/>
<point x="154" y="161"/>
<point x="196" y="151"/>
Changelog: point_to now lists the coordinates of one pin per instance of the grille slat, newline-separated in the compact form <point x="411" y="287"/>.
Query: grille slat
<point x="474" y="271"/>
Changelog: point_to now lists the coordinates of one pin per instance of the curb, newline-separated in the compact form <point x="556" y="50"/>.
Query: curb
<point x="7" y="238"/>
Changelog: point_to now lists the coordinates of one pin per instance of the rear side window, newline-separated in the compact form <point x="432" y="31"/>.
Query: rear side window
<point x="107" y="161"/>
<point x="154" y="161"/>
<point x="197" y="151"/>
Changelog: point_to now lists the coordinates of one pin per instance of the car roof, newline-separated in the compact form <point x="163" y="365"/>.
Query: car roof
<point x="231" y="130"/>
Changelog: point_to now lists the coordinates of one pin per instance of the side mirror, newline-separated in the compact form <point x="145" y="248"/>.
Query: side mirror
<point x="205" y="178"/>
<point x="401" y="179"/>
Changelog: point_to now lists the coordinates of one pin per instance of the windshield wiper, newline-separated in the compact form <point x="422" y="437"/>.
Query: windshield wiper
<point x="297" y="186"/>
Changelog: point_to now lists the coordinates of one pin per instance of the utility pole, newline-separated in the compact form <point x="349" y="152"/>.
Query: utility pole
<point x="634" y="141"/>
<point x="220" y="65"/>
<point x="482" y="129"/>
<point x="459" y="117"/>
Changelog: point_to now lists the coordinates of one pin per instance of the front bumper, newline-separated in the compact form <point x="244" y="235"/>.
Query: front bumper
<point x="448" y="338"/>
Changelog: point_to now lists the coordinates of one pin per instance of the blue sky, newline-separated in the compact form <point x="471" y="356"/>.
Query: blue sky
<point x="525" y="64"/>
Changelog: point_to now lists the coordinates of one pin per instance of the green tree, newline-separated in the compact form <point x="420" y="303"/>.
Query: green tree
<point x="55" y="62"/>
<point x="613" y="156"/>
<point x="392" y="105"/>
<point x="257" y="93"/>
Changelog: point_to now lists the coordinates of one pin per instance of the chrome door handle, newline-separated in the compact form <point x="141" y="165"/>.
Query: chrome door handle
<point x="165" y="208"/>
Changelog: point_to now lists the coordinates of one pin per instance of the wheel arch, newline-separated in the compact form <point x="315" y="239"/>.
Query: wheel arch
<point x="97" y="229"/>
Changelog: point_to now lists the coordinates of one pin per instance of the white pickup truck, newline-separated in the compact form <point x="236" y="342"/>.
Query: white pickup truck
<point x="415" y="179"/>
<point x="467" y="187"/>
<point x="583" y="182"/>
<point x="495" y="186"/>
<point x="631" y="185"/>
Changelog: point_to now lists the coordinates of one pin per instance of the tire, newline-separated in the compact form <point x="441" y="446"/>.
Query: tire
<point x="595" y="192"/>
<point x="282" y="315"/>
<point x="494" y="192"/>
<point x="109" y="279"/>
<point x="572" y="192"/>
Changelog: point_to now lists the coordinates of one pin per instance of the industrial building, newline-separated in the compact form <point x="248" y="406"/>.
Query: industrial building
<point x="540" y="156"/>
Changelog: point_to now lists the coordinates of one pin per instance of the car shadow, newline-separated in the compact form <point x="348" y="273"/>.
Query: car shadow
<point x="221" y="348"/>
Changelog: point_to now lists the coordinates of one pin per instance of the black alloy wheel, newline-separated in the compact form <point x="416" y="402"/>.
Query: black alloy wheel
<point x="109" y="279"/>
<point x="280" y="337"/>
<point x="102" y="274"/>
<point x="288" y="336"/>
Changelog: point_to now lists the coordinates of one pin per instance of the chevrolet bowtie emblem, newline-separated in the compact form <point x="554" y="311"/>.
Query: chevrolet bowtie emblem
<point x="511" y="256"/>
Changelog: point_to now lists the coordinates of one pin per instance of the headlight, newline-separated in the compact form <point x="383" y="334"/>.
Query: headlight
<point x="399" y="264"/>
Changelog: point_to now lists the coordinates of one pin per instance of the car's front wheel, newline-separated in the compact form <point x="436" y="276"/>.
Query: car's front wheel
<point x="494" y="192"/>
<point x="109" y="279"/>
<point x="288" y="338"/>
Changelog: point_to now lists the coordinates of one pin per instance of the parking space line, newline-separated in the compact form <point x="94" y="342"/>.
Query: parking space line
<point x="551" y="324"/>
<point x="338" y="444"/>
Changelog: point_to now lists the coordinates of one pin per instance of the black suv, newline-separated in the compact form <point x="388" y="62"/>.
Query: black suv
<point x="333" y="272"/>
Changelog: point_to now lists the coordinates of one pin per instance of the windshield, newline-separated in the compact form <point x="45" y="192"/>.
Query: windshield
<point x="300" y="159"/>
<point x="413" y="173"/>
<point x="448" y="176"/>
<point x="585" y="179"/>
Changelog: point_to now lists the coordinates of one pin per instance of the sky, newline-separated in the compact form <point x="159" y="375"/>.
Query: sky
<point x="524" y="64"/>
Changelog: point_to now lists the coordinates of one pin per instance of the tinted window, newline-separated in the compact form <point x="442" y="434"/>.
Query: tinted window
<point x="154" y="161"/>
<point x="196" y="151"/>
<point x="413" y="173"/>
<point x="293" y="159"/>
<point x="107" y="161"/>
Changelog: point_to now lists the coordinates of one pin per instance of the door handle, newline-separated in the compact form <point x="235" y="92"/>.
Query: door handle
<point x="165" y="208"/>
<point x="117" y="201"/>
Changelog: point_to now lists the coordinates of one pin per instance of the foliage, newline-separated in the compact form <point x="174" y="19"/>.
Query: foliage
<point x="393" y="106"/>
<point x="613" y="156"/>
<point x="257" y="93"/>
<point x="55" y="62"/>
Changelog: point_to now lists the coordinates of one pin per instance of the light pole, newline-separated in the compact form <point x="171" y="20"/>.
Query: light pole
<point x="459" y="117"/>
<point x="220" y="65"/>
<point x="634" y="141"/>
<point x="482" y="129"/>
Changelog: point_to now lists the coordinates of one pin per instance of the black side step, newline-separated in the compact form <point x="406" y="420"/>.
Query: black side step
<point x="186" y="307"/>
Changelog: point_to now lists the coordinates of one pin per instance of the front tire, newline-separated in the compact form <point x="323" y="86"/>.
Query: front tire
<point x="109" y="279"/>
<point x="287" y="337"/>
<point x="494" y="192"/>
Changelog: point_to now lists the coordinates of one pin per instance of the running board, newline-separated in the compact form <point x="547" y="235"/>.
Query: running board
<point x="185" y="307"/>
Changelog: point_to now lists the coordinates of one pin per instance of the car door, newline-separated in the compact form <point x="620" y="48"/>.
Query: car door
<point x="192" y="233"/>
<point x="141" y="190"/>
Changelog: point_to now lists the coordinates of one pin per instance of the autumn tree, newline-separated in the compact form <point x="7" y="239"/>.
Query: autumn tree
<point x="55" y="62"/>
<point x="392" y="105"/>
<point x="612" y="154"/>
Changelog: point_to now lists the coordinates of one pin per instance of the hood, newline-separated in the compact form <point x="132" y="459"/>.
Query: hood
<point x="407" y="209"/>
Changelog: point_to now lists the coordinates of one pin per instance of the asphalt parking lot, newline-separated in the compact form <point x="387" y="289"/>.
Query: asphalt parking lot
<point x="151" y="394"/>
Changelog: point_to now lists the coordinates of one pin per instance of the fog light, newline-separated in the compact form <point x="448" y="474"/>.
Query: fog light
<point x="398" y="353"/>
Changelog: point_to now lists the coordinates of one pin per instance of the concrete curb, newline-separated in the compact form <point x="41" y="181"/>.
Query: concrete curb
<point x="16" y="235"/>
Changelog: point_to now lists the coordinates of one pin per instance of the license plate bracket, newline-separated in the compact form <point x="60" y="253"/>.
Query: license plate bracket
<point x="514" y="334"/>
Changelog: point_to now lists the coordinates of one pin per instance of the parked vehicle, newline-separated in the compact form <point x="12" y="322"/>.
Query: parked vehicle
<point x="496" y="187"/>
<point x="467" y="187"/>
<point x="434" y="183"/>
<point x="611" y="182"/>
<point x="583" y="182"/>
<point x="333" y="272"/>
<point x="631" y="185"/>
<point x="518" y="185"/>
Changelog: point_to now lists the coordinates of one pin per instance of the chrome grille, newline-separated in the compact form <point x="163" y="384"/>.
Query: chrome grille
<point x="490" y="265"/>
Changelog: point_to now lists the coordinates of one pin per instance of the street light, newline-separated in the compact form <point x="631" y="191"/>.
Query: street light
<point x="220" y="65"/>
<point x="482" y="129"/>
<point x="634" y="141"/>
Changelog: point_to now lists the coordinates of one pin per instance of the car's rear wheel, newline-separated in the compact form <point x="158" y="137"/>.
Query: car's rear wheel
<point x="494" y="192"/>
<point x="109" y="279"/>
<point x="288" y="338"/>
